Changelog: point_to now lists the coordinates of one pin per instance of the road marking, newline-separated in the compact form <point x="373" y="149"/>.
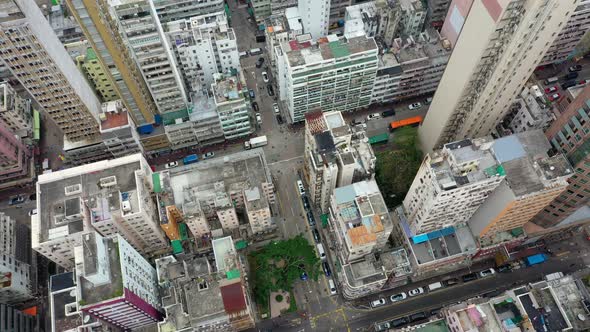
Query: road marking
<point x="285" y="160"/>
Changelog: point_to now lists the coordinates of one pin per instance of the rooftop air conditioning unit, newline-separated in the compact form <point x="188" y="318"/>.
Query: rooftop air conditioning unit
<point x="109" y="181"/>
<point x="73" y="189"/>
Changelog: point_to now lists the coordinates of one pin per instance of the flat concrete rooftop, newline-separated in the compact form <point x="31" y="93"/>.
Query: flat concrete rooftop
<point x="326" y="48"/>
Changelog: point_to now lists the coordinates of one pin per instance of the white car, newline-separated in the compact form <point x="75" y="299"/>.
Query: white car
<point x="32" y="212"/>
<point x="301" y="188"/>
<point x="377" y="303"/>
<point x="265" y="77"/>
<point x="208" y="155"/>
<point x="398" y="297"/>
<point x="275" y="107"/>
<point x="415" y="106"/>
<point x="416" y="291"/>
<point x="333" y="290"/>
<point x="258" y="118"/>
<point x="171" y="164"/>
<point x="373" y="116"/>
<point x="487" y="272"/>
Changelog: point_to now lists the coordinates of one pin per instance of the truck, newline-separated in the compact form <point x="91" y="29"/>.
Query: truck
<point x="535" y="259"/>
<point x="255" y="142"/>
<point x="190" y="159"/>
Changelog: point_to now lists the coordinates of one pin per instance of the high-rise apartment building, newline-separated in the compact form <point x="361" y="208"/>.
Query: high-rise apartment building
<point x="233" y="109"/>
<point x="451" y="184"/>
<point x="532" y="180"/>
<point x="17" y="282"/>
<point x="37" y="59"/>
<point x="315" y="15"/>
<point x="528" y="112"/>
<point x="15" y="111"/>
<point x="174" y="10"/>
<point x="413" y="15"/>
<point x="570" y="36"/>
<point x="110" y="196"/>
<point x="380" y="18"/>
<point x="498" y="45"/>
<point x="16" y="160"/>
<point x="115" y="284"/>
<point x="143" y="35"/>
<point x="105" y="36"/>
<point x="334" y="74"/>
<point x="569" y="134"/>
<point x="95" y="72"/>
<point x="204" y="46"/>
<point x="336" y="155"/>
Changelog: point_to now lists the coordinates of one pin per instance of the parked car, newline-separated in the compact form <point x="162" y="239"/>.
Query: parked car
<point x="378" y="303"/>
<point x="303" y="276"/>
<point x="554" y="97"/>
<point x="326" y="269"/>
<point x="373" y="116"/>
<point x="259" y="62"/>
<point x="270" y="90"/>
<point x="416" y="291"/>
<point x="251" y="94"/>
<point x="316" y="235"/>
<point x="208" y="155"/>
<point x="275" y="108"/>
<point x="400" y="322"/>
<point x="300" y="187"/>
<point x="383" y="326"/>
<point x="17" y="200"/>
<point x="415" y="106"/>
<point x="280" y="119"/>
<point x="486" y="272"/>
<point x="504" y="268"/>
<point x="265" y="77"/>
<point x="450" y="282"/>
<point x="571" y="76"/>
<point x="258" y="118"/>
<point x="305" y="202"/>
<point x="418" y="317"/>
<point x="310" y="218"/>
<point x="575" y="68"/>
<point x="332" y="286"/>
<point x="255" y="107"/>
<point x="388" y="113"/>
<point x="435" y="312"/>
<point x="550" y="89"/>
<point x="428" y="101"/>
<point x="32" y="212"/>
<point x="568" y="84"/>
<point x="583" y="82"/>
<point x="171" y="164"/>
<point x="469" y="277"/>
<point x="398" y="297"/>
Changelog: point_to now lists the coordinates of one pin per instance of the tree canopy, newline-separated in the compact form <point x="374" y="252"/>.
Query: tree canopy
<point x="277" y="266"/>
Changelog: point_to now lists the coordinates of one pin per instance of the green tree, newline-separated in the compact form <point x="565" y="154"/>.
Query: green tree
<point x="279" y="264"/>
<point x="396" y="169"/>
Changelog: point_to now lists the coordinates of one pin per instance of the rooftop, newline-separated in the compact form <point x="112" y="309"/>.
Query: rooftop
<point x="364" y="272"/>
<point x="568" y="294"/>
<point x="228" y="88"/>
<point x="432" y="326"/>
<point x="476" y="315"/>
<point x="100" y="186"/>
<point x="429" y="49"/>
<point x="307" y="52"/>
<point x="113" y="116"/>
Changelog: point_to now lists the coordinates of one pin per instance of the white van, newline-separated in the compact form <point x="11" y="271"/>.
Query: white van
<point x="332" y="287"/>
<point x="321" y="251"/>
<point x="434" y="286"/>
<point x="301" y="188"/>
<point x="243" y="54"/>
<point x="255" y="51"/>
<point x="551" y="80"/>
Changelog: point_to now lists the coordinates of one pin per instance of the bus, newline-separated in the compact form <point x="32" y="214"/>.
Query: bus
<point x="413" y="121"/>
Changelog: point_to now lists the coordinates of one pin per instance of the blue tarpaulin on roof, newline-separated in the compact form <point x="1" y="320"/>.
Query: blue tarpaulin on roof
<point x="420" y="238"/>
<point x="434" y="235"/>
<point x="447" y="231"/>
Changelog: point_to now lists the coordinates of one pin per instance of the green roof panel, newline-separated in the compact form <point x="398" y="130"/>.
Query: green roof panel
<point x="176" y="247"/>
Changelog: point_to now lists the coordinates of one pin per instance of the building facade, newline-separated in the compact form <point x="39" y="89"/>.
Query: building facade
<point x="97" y="75"/>
<point x="16" y="159"/>
<point x="232" y="105"/>
<point x="528" y="112"/>
<point x="315" y="16"/>
<point x="110" y="196"/>
<point x="142" y="33"/>
<point x="332" y="74"/>
<point x="15" y="111"/>
<point x="36" y="58"/>
<point x="413" y="15"/>
<point x="17" y="282"/>
<point x="570" y="36"/>
<point x="170" y="11"/>
<point x="493" y="57"/>
<point x="437" y="12"/>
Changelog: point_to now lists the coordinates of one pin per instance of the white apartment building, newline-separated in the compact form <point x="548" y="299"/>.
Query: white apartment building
<point x="257" y="210"/>
<point x="335" y="155"/>
<point x="315" y="16"/>
<point x="363" y="17"/>
<point x="204" y="46"/>
<point x="232" y="105"/>
<point x="36" y="58"/>
<point x="570" y="36"/>
<point x="16" y="276"/>
<point x="174" y="10"/>
<point x="110" y="196"/>
<point x="411" y="68"/>
<point x="15" y="111"/>
<point x="528" y="112"/>
<point x="413" y="15"/>
<point x="451" y="184"/>
<point x="332" y="74"/>
<point x="143" y="35"/>
<point x="115" y="283"/>
<point x="495" y="53"/>
<point x="281" y="28"/>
